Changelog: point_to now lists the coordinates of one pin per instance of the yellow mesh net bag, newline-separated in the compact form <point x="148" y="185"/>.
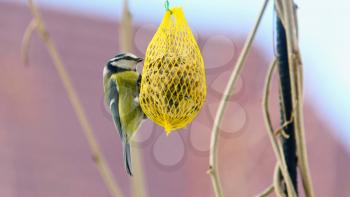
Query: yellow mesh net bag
<point x="173" y="86"/>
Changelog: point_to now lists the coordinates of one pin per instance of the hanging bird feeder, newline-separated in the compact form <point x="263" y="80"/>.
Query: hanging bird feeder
<point x="173" y="86"/>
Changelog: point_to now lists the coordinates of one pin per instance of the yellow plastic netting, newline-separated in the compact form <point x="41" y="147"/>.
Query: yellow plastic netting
<point x="173" y="86"/>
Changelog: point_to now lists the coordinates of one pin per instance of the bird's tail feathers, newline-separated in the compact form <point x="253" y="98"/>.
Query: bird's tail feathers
<point x="127" y="157"/>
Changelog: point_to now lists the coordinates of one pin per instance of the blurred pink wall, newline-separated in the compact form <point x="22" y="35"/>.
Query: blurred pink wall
<point x="44" y="153"/>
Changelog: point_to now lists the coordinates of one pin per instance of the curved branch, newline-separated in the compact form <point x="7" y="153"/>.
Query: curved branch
<point x="275" y="145"/>
<point x="276" y="183"/>
<point x="213" y="169"/>
<point x="296" y="73"/>
<point x="267" y="191"/>
<point x="26" y="40"/>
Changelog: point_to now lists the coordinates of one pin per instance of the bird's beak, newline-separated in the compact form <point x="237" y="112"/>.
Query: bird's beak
<point x="139" y="59"/>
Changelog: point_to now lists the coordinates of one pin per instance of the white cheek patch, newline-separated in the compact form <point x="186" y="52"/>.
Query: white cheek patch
<point x="114" y="63"/>
<point x="127" y="64"/>
<point x="122" y="64"/>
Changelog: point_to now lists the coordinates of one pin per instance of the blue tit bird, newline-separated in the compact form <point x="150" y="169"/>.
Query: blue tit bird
<point x="121" y="84"/>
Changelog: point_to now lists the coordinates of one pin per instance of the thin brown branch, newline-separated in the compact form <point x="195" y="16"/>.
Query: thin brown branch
<point x="275" y="144"/>
<point x="126" y="28"/>
<point x="26" y="41"/>
<point x="296" y="73"/>
<point x="281" y="129"/>
<point x="276" y="182"/>
<point x="213" y="168"/>
<point x="138" y="186"/>
<point x="96" y="152"/>
<point x="267" y="191"/>
<point x="279" y="9"/>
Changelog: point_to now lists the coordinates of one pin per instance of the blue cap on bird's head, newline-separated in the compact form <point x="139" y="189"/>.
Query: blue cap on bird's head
<point x="126" y="56"/>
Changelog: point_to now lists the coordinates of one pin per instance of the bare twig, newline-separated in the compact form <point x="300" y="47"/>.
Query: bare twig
<point x="296" y="73"/>
<point x="279" y="9"/>
<point x="276" y="183"/>
<point x="213" y="169"/>
<point x="138" y="186"/>
<point x="281" y="129"/>
<point x="96" y="152"/>
<point x="125" y="30"/>
<point x="26" y="40"/>
<point x="275" y="145"/>
<point x="267" y="191"/>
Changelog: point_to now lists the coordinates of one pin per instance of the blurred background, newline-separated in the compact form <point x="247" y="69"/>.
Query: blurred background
<point x="44" y="153"/>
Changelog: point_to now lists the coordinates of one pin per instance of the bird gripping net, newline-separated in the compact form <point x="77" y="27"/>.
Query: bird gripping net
<point x="173" y="85"/>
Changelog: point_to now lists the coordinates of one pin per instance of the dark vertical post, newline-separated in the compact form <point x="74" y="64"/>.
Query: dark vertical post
<point x="289" y="145"/>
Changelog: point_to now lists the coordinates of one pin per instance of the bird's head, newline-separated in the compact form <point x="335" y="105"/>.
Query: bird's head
<point x="122" y="62"/>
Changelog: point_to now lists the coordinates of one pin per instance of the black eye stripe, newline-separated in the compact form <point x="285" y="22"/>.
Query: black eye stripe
<point x="129" y="58"/>
<point x="116" y="69"/>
